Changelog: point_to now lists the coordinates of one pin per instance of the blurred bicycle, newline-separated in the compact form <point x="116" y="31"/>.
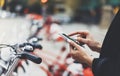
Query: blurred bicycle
<point x="11" y="55"/>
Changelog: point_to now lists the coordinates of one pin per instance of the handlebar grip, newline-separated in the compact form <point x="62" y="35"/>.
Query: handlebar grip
<point x="31" y="57"/>
<point x="37" y="45"/>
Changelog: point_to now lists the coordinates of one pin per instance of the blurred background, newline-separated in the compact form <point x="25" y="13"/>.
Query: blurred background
<point x="87" y="11"/>
<point x="18" y="20"/>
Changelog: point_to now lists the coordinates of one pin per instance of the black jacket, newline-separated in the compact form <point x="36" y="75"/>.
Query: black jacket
<point x="108" y="64"/>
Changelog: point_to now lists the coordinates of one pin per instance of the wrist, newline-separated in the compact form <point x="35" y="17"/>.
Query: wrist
<point x="89" y="60"/>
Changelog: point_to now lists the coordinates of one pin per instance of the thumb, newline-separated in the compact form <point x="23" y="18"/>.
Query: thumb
<point x="74" y="45"/>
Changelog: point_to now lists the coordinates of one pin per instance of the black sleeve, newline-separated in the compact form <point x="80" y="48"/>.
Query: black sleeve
<point x="108" y="64"/>
<point x="106" y="67"/>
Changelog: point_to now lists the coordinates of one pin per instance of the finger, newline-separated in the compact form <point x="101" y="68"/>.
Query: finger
<point x="85" y="32"/>
<point x="83" y="40"/>
<point x="72" y="51"/>
<point x="74" y="45"/>
<point x="79" y="35"/>
<point x="71" y="47"/>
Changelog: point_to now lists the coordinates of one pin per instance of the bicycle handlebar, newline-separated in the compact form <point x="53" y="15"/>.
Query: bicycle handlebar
<point x="17" y="52"/>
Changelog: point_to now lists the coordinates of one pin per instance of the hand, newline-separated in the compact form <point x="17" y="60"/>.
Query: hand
<point x="78" y="53"/>
<point x="87" y="38"/>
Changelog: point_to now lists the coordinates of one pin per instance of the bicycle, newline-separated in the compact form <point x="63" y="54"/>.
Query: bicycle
<point x="35" y="27"/>
<point x="12" y="54"/>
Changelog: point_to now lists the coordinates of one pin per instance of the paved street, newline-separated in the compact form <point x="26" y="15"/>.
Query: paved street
<point x="17" y="30"/>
